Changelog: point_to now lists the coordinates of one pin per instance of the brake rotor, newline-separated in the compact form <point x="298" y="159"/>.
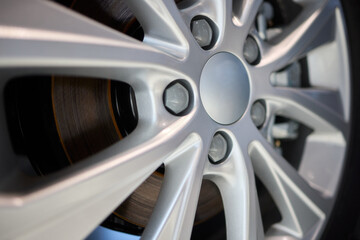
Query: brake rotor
<point x="86" y="121"/>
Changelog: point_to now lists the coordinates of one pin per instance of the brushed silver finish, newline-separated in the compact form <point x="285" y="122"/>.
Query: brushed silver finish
<point x="224" y="88"/>
<point x="41" y="37"/>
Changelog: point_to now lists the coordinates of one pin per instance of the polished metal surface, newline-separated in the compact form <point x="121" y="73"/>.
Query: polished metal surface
<point x="224" y="88"/>
<point x="176" y="98"/>
<point x="251" y="51"/>
<point x="258" y="113"/>
<point x="41" y="37"/>
<point x="218" y="148"/>
<point x="202" y="32"/>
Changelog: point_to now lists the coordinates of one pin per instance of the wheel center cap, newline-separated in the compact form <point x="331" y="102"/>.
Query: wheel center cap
<point x="224" y="88"/>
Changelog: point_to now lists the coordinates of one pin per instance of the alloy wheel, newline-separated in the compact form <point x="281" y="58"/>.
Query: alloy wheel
<point x="221" y="87"/>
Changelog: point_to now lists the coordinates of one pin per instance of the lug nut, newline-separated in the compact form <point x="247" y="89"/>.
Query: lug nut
<point x="176" y="98"/>
<point x="258" y="113"/>
<point x="251" y="51"/>
<point x="218" y="149"/>
<point x="202" y="32"/>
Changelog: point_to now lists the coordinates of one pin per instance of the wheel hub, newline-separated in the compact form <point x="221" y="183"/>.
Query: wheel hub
<point x="224" y="88"/>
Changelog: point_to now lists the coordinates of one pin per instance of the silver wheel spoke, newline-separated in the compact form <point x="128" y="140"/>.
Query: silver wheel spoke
<point x="246" y="12"/>
<point x="174" y="213"/>
<point x="318" y="109"/>
<point x="163" y="25"/>
<point x="323" y="150"/>
<point x="302" y="208"/>
<point x="49" y="16"/>
<point x="236" y="182"/>
<point x="103" y="181"/>
<point x="301" y="35"/>
<point x="67" y="40"/>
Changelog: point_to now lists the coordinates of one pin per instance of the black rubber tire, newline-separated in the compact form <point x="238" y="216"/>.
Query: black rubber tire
<point x="345" y="220"/>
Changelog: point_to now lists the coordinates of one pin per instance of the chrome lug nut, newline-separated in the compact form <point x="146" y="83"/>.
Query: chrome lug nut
<point x="218" y="149"/>
<point x="251" y="51"/>
<point x="202" y="32"/>
<point x="176" y="98"/>
<point x="258" y="113"/>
